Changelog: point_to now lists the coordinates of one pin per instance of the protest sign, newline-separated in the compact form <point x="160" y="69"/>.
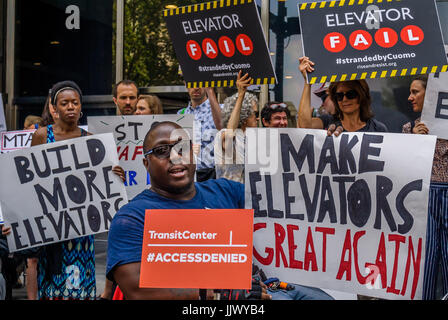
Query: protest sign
<point x="15" y="140"/>
<point x="435" y="106"/>
<point x="214" y="40"/>
<point x="60" y="191"/>
<point x="346" y="213"/>
<point x="350" y="39"/>
<point x="2" y="115"/>
<point x="1" y="216"/>
<point x="129" y="132"/>
<point x="200" y="248"/>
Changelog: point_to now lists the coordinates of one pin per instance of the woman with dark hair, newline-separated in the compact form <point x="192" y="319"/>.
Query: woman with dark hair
<point x="66" y="270"/>
<point x="437" y="227"/>
<point x="48" y="112"/>
<point x="352" y="102"/>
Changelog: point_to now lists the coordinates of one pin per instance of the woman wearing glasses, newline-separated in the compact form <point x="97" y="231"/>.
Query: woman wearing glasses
<point x="352" y="106"/>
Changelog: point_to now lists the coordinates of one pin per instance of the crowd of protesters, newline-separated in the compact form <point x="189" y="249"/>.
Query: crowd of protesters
<point x="346" y="107"/>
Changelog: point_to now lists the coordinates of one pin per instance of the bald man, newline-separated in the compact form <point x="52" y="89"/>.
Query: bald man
<point x="167" y="158"/>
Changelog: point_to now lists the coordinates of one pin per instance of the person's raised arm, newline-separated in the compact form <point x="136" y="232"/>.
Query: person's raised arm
<point x="242" y="82"/>
<point x="127" y="277"/>
<point x="216" y="109"/>
<point x="305" y="119"/>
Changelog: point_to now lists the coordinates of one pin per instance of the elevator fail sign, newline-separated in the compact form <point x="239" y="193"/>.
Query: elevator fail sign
<point x="214" y="40"/>
<point x="350" y="39"/>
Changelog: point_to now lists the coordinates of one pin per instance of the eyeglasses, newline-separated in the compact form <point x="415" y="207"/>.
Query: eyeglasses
<point x="164" y="151"/>
<point x="278" y="105"/>
<point x="352" y="94"/>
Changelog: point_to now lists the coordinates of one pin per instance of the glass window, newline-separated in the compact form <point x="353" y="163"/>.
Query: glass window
<point x="58" y="40"/>
<point x="442" y="7"/>
<point x="285" y="45"/>
<point x="63" y="39"/>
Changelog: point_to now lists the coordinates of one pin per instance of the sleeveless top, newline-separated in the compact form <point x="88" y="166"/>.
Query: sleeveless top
<point x="66" y="270"/>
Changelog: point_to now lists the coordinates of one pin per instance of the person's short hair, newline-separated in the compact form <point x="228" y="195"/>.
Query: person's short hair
<point x="153" y="127"/>
<point x="365" y="100"/>
<point x="154" y="103"/>
<point x="62" y="86"/>
<point x="246" y="108"/>
<point x="125" y="83"/>
<point x="423" y="78"/>
<point x="272" y="107"/>
<point x="32" y="119"/>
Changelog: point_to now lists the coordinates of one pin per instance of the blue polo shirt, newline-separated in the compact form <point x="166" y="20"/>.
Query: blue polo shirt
<point x="126" y="230"/>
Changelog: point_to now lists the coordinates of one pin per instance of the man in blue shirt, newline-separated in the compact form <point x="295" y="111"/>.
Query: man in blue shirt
<point x="166" y="149"/>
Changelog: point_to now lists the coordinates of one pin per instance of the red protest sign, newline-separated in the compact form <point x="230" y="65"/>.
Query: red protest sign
<point x="197" y="248"/>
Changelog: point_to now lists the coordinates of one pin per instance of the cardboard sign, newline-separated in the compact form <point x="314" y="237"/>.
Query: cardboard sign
<point x="360" y="39"/>
<point x="346" y="213"/>
<point x="129" y="132"/>
<point x="2" y="115"/>
<point x="60" y="191"/>
<point x="208" y="249"/>
<point x="435" y="107"/>
<point x="214" y="40"/>
<point x="15" y="140"/>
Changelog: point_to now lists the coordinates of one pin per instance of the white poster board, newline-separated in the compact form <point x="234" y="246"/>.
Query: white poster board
<point x="129" y="133"/>
<point x="2" y="115"/>
<point x="15" y="140"/>
<point x="435" y="107"/>
<point x="60" y="191"/>
<point x="346" y="213"/>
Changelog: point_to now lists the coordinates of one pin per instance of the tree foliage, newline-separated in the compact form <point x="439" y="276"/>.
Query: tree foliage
<point x="149" y="57"/>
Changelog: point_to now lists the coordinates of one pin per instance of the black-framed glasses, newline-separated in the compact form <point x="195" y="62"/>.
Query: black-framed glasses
<point x="164" y="151"/>
<point x="351" y="94"/>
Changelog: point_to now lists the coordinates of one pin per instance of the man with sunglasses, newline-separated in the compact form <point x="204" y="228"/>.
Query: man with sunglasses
<point x="275" y="115"/>
<point x="167" y="158"/>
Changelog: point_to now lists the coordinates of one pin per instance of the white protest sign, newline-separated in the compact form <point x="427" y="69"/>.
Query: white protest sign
<point x="2" y="115"/>
<point x="15" y="140"/>
<point x="346" y="213"/>
<point x="129" y="133"/>
<point x="1" y="216"/>
<point x="60" y="191"/>
<point x="435" y="106"/>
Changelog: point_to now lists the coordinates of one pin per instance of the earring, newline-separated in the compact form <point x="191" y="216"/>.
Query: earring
<point x="81" y="114"/>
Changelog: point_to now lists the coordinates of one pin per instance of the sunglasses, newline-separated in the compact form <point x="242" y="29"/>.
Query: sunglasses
<point x="352" y="94"/>
<point x="164" y="151"/>
<point x="278" y="105"/>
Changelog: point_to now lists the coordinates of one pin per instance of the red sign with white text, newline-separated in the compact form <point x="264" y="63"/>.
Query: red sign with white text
<point x="197" y="248"/>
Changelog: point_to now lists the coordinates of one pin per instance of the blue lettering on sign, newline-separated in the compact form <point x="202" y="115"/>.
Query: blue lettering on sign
<point x="130" y="178"/>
